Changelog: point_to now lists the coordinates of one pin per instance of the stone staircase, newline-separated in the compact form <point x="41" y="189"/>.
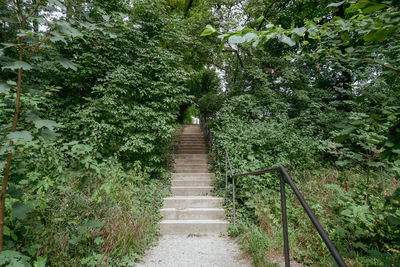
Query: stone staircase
<point x="192" y="209"/>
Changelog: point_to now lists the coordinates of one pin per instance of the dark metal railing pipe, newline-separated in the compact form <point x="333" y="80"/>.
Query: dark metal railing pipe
<point x="313" y="219"/>
<point x="258" y="172"/>
<point x="226" y="177"/>
<point x="284" y="222"/>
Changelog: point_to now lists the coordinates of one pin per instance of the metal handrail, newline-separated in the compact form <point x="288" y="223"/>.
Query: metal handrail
<point x="284" y="178"/>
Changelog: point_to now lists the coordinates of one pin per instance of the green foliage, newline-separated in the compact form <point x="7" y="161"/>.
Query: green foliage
<point x="93" y="140"/>
<point x="313" y="85"/>
<point x="252" y="240"/>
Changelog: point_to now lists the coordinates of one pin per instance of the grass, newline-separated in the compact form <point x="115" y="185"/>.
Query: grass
<point x="262" y="238"/>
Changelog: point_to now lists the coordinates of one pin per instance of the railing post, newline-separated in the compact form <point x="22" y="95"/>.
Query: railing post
<point x="314" y="219"/>
<point x="284" y="222"/>
<point x="233" y="200"/>
<point x="226" y="176"/>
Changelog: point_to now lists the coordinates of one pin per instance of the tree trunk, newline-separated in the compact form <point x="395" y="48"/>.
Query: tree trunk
<point x="9" y="156"/>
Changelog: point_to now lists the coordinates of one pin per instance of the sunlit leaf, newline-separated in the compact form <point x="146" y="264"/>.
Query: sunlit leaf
<point x="208" y="30"/>
<point x="24" y="135"/>
<point x="66" y="63"/>
<point x="336" y="4"/>
<point x="299" y="31"/>
<point x="20" y="210"/>
<point x="49" y="124"/>
<point x="287" y="40"/>
<point x="235" y="39"/>
<point x="16" y="65"/>
<point x="4" y="87"/>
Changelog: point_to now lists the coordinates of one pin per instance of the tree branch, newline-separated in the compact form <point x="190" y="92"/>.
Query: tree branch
<point x="237" y="54"/>
<point x="34" y="9"/>
<point x="37" y="46"/>
<point x="265" y="14"/>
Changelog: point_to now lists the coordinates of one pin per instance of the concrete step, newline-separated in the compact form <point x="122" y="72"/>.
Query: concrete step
<point x="191" y="170"/>
<point x="193" y="227"/>
<point x="192" y="182"/>
<point x="190" y="156"/>
<point x="191" y="134"/>
<point x="191" y="161"/>
<point x="191" y="190"/>
<point x="199" y="145"/>
<point x="193" y="202"/>
<point x="190" y="138"/>
<point x="192" y="151"/>
<point x="193" y="175"/>
<point x="189" y="142"/>
<point x="192" y="214"/>
<point x="203" y="149"/>
<point x="190" y="146"/>
<point x="192" y="165"/>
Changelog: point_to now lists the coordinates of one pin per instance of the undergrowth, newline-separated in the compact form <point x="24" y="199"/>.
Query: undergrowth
<point x="342" y="208"/>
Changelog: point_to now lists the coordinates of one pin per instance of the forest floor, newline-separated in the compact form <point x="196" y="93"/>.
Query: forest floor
<point x="193" y="251"/>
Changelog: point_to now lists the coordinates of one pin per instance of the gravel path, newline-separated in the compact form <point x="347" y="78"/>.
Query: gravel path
<point x="194" y="251"/>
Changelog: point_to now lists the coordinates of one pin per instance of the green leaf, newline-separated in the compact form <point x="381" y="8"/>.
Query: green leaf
<point x="49" y="124"/>
<point x="13" y="258"/>
<point x="260" y="19"/>
<point x="4" y="87"/>
<point x="66" y="63"/>
<point x="40" y="262"/>
<point x="372" y="8"/>
<point x="15" y="136"/>
<point x="299" y="31"/>
<point x="95" y="224"/>
<point x="31" y="117"/>
<point x="250" y="36"/>
<point x="11" y="83"/>
<point x="105" y="17"/>
<point x="17" y="65"/>
<point x="56" y="3"/>
<point x="99" y="240"/>
<point x="336" y="4"/>
<point x="49" y="134"/>
<point x="345" y="36"/>
<point x="58" y="37"/>
<point x="7" y="231"/>
<point x="349" y="50"/>
<point x="376" y="35"/>
<point x="381" y="35"/>
<point x="235" y="39"/>
<point x="20" y="210"/>
<point x="68" y="30"/>
<point x="14" y="192"/>
<point x="287" y="40"/>
<point x="2" y="165"/>
<point x="209" y="30"/>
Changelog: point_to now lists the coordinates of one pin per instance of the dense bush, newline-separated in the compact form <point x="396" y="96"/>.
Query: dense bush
<point x="93" y="141"/>
<point x="313" y="90"/>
